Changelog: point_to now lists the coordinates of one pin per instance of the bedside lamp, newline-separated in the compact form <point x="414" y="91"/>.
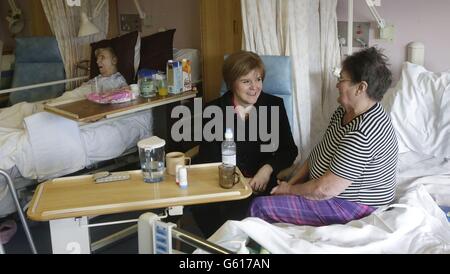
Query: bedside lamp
<point x="86" y="27"/>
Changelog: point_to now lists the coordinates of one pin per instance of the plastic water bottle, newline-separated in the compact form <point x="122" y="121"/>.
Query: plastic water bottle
<point x="229" y="149"/>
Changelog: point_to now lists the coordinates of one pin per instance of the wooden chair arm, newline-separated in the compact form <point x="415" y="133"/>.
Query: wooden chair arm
<point x="193" y="152"/>
<point x="286" y="173"/>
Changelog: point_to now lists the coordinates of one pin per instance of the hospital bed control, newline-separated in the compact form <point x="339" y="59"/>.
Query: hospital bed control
<point x="162" y="237"/>
<point x="106" y="177"/>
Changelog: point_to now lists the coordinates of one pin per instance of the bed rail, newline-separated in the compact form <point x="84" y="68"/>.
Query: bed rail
<point x="43" y="84"/>
<point x="155" y="237"/>
<point x="19" y="210"/>
<point x="198" y="242"/>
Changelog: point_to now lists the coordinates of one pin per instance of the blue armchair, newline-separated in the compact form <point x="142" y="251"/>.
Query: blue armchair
<point x="278" y="80"/>
<point x="38" y="60"/>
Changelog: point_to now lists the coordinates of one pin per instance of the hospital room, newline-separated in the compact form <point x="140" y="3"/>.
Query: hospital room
<point x="224" y="127"/>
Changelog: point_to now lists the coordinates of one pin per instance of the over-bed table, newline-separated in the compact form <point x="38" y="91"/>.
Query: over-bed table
<point x="66" y="202"/>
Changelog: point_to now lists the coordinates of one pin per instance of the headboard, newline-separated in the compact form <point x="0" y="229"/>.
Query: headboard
<point x="151" y="52"/>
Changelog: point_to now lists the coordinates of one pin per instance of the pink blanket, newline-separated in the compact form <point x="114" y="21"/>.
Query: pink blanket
<point x="112" y="97"/>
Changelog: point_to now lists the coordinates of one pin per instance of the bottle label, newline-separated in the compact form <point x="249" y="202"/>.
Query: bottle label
<point x="147" y="89"/>
<point x="229" y="159"/>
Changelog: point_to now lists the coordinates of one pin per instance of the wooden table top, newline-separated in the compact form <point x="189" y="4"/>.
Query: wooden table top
<point x="78" y="196"/>
<point x="87" y="111"/>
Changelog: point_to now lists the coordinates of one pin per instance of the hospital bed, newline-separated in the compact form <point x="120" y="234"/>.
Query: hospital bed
<point x="43" y="146"/>
<point x="417" y="221"/>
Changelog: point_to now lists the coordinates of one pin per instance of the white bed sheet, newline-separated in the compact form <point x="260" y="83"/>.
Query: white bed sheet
<point x="413" y="224"/>
<point x="43" y="145"/>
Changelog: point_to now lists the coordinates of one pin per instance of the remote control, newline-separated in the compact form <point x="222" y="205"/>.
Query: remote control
<point x="111" y="177"/>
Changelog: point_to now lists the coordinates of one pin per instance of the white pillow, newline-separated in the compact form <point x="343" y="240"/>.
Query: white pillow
<point x="420" y="110"/>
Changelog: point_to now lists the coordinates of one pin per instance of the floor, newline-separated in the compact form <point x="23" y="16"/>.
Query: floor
<point x="41" y="235"/>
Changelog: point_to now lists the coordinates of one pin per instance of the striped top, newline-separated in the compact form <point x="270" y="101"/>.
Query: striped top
<point x="364" y="151"/>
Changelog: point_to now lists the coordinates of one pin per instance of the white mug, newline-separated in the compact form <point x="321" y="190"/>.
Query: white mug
<point x="175" y="158"/>
<point x="135" y="89"/>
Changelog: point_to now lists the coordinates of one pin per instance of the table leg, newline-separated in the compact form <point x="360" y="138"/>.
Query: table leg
<point x="70" y="236"/>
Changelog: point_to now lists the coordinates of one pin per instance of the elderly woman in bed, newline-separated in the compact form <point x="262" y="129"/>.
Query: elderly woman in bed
<point x="109" y="87"/>
<point x="353" y="169"/>
<point x="109" y="78"/>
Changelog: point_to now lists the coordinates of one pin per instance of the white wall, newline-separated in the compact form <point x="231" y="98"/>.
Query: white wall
<point x="414" y="20"/>
<point x="5" y="35"/>
<point x="183" y="15"/>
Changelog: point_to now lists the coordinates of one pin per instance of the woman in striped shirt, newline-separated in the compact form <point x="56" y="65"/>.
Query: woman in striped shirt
<point x="353" y="169"/>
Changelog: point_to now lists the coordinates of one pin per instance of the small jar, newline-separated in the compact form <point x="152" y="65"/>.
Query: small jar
<point x="146" y="83"/>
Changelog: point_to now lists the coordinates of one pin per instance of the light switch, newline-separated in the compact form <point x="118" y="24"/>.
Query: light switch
<point x="147" y="21"/>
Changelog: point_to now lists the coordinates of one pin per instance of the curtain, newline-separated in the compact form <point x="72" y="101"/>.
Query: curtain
<point x="64" y="22"/>
<point x="1" y="53"/>
<point x="306" y="30"/>
<point x="330" y="56"/>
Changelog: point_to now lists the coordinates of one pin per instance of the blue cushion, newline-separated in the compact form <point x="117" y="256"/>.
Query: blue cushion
<point x="277" y="81"/>
<point x="37" y="50"/>
<point x="35" y="73"/>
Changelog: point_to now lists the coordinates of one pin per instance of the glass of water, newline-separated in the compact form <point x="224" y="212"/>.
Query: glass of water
<point x="152" y="157"/>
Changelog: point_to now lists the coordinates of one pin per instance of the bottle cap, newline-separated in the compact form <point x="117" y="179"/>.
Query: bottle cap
<point x="146" y="73"/>
<point x="228" y="133"/>
<point x="151" y="143"/>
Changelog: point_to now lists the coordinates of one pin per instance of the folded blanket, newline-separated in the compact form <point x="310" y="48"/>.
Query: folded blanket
<point x="56" y="145"/>
<point x="12" y="135"/>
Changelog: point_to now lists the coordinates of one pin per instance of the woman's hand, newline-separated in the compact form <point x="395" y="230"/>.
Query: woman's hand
<point x="283" y="188"/>
<point x="262" y="177"/>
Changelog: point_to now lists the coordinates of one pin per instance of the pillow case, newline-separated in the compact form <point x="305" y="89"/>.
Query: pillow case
<point x="156" y="50"/>
<point x="419" y="108"/>
<point x="127" y="48"/>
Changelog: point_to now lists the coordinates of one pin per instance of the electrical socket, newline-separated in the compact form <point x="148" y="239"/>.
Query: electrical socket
<point x="130" y="22"/>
